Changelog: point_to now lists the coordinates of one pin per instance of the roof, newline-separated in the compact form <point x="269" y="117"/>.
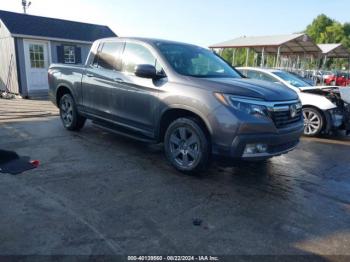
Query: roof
<point x="153" y="41"/>
<point x="44" y="27"/>
<point x="294" y="43"/>
<point x="334" y="50"/>
<point x="271" y="70"/>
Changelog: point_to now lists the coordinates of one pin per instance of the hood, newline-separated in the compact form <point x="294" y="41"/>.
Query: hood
<point x="316" y="100"/>
<point x="249" y="88"/>
<point x="310" y="88"/>
<point x="320" y="90"/>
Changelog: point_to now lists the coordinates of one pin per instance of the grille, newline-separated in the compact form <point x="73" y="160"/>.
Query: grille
<point x="283" y="118"/>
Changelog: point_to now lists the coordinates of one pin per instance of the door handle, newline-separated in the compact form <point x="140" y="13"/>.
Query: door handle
<point x="89" y="75"/>
<point x="118" y="80"/>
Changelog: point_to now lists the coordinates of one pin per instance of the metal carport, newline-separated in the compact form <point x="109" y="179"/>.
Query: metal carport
<point x="296" y="45"/>
<point x="335" y="51"/>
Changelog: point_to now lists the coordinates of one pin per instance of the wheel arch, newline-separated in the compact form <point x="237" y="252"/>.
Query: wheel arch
<point x="171" y="114"/>
<point x="62" y="89"/>
<point x="316" y="108"/>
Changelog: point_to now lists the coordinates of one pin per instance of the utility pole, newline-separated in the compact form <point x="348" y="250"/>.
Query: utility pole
<point x="25" y="5"/>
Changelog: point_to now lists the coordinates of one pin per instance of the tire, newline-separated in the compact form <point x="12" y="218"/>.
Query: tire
<point x="187" y="146"/>
<point x="313" y="121"/>
<point x="69" y="115"/>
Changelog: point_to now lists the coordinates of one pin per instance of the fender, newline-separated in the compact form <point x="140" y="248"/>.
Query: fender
<point x="203" y="117"/>
<point x="65" y="85"/>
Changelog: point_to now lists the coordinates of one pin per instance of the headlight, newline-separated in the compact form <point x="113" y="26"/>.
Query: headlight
<point x="249" y="108"/>
<point x="242" y="104"/>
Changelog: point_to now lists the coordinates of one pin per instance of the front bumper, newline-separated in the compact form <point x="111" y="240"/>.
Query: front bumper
<point x="278" y="144"/>
<point x="338" y="119"/>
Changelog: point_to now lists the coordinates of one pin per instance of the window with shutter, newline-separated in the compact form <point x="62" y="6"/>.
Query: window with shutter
<point x="69" y="55"/>
<point x="60" y="54"/>
<point x="78" y="55"/>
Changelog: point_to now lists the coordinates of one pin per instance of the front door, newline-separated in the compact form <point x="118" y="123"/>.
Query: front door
<point x="37" y="64"/>
<point x="137" y="97"/>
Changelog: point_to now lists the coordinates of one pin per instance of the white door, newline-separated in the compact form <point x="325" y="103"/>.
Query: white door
<point x="37" y="64"/>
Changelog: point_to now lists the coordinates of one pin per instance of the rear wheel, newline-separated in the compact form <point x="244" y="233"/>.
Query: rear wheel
<point x="69" y="114"/>
<point x="186" y="145"/>
<point x="313" y="121"/>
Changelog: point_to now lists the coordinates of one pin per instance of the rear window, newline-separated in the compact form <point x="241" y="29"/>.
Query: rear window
<point x="292" y="79"/>
<point x="109" y="56"/>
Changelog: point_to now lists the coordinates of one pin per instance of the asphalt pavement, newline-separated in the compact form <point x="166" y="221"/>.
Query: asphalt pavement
<point x="96" y="193"/>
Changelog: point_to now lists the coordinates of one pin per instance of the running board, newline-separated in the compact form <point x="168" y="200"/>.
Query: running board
<point x="122" y="131"/>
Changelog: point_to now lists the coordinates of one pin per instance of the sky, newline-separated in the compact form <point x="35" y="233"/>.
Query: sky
<point x="202" y="22"/>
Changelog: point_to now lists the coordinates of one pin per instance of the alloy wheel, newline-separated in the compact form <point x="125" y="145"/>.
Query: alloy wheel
<point x="312" y="122"/>
<point x="66" y="111"/>
<point x="184" y="147"/>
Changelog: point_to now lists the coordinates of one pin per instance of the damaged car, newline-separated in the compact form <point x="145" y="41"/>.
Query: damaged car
<point x="325" y="108"/>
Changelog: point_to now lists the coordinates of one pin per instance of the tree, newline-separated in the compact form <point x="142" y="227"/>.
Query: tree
<point x="318" y="26"/>
<point x="346" y="27"/>
<point x="332" y="34"/>
<point x="324" y="30"/>
<point x="346" y="40"/>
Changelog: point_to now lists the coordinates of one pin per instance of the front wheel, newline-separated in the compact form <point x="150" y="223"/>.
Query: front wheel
<point x="69" y="114"/>
<point x="186" y="145"/>
<point x="313" y="121"/>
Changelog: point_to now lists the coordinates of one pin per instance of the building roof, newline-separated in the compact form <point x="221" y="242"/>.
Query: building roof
<point x="334" y="50"/>
<point x="44" y="27"/>
<point x="289" y="44"/>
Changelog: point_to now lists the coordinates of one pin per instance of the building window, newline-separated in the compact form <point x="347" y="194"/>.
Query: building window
<point x="69" y="55"/>
<point x="37" y="59"/>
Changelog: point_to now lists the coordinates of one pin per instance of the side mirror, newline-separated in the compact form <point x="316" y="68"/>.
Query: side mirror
<point x="146" y="71"/>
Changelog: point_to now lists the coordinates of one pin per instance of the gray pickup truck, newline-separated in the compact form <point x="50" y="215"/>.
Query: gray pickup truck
<point x="178" y="94"/>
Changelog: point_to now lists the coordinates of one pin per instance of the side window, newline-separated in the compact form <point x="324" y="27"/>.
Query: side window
<point x="267" y="77"/>
<point x="135" y="54"/>
<point x="252" y="74"/>
<point x="95" y="62"/>
<point x="244" y="72"/>
<point x="260" y="76"/>
<point x="109" y="57"/>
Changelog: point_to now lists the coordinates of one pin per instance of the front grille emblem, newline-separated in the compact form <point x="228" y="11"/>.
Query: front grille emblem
<point x="293" y="111"/>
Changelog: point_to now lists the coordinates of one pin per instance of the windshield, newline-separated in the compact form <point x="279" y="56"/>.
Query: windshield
<point x="292" y="79"/>
<point x="196" y="61"/>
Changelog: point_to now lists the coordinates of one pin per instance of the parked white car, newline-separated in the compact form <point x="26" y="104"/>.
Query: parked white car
<point x="325" y="108"/>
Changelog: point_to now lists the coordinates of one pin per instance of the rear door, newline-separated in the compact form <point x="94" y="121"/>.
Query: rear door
<point x="100" y="78"/>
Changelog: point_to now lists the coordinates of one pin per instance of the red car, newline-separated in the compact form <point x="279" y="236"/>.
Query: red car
<point x="337" y="79"/>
